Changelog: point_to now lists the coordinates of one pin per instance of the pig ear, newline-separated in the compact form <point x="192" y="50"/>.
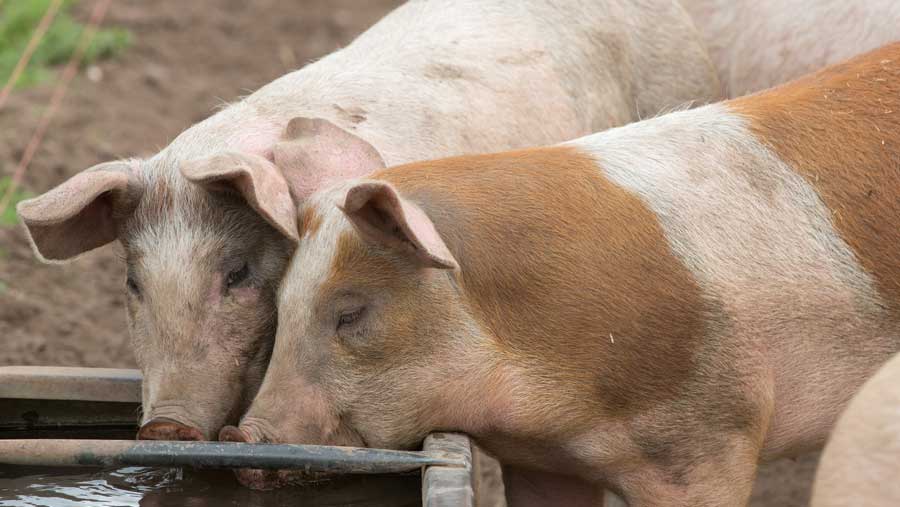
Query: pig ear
<point x="381" y="215"/>
<point x="316" y="153"/>
<point x="256" y="179"/>
<point x="78" y="215"/>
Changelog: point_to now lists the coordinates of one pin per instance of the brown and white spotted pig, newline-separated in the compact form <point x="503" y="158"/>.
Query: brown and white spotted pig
<point x="755" y="44"/>
<point x="199" y="220"/>
<point x="653" y="309"/>
<point x="861" y="463"/>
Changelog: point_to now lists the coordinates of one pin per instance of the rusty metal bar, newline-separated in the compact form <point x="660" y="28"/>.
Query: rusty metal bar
<point x="68" y="383"/>
<point x="310" y="458"/>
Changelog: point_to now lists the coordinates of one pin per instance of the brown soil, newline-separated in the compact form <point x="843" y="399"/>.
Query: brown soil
<point x="188" y="58"/>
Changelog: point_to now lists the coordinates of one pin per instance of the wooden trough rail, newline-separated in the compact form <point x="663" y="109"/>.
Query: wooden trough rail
<point x="449" y="486"/>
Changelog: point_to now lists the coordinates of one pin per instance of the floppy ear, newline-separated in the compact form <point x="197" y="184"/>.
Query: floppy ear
<point x="378" y="212"/>
<point x="316" y="153"/>
<point x="77" y="216"/>
<point x="312" y="154"/>
<point x="255" y="178"/>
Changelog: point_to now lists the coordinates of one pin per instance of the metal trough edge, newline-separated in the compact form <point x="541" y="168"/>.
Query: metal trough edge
<point x="70" y="383"/>
<point x="310" y="458"/>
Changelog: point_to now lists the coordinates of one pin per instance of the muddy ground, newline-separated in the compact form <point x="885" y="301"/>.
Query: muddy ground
<point x="188" y="58"/>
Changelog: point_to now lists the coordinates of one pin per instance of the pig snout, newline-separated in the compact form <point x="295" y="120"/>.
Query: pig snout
<point x="233" y="434"/>
<point x="249" y="432"/>
<point x="252" y="478"/>
<point x="163" y="428"/>
<point x="264" y="479"/>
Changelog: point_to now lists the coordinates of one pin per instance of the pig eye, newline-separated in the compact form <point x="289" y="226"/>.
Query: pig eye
<point x="348" y="318"/>
<point x="132" y="286"/>
<point x="237" y="276"/>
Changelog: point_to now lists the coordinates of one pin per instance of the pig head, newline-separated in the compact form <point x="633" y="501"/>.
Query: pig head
<point x="205" y="242"/>
<point x="339" y="360"/>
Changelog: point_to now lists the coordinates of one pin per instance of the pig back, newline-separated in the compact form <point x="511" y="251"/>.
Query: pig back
<point x="438" y="78"/>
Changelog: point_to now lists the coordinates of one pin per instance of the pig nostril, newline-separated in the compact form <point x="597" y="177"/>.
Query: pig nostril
<point x="167" y="429"/>
<point x="186" y="433"/>
<point x="232" y="434"/>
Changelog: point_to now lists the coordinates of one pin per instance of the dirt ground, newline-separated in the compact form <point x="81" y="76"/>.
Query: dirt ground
<point x="188" y="58"/>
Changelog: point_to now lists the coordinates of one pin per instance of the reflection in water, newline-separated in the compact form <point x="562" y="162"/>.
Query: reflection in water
<point x="143" y="487"/>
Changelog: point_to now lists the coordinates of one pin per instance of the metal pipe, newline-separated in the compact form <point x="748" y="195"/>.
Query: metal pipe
<point x="309" y="458"/>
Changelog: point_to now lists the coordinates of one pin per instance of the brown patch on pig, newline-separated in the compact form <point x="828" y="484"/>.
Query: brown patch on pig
<point x="586" y="290"/>
<point x="352" y="258"/>
<point x="838" y="128"/>
<point x="375" y="271"/>
<point x="309" y="221"/>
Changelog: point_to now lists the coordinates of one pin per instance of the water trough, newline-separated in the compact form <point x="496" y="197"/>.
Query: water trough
<point x="53" y="417"/>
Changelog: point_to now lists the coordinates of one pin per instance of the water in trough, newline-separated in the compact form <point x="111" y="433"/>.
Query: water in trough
<point x="144" y="487"/>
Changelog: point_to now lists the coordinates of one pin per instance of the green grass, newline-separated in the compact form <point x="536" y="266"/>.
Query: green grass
<point x="19" y="18"/>
<point x="8" y="216"/>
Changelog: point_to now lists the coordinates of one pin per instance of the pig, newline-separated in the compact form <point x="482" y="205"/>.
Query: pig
<point x="653" y="309"/>
<point x="756" y="44"/>
<point x="861" y="462"/>
<point x="200" y="224"/>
